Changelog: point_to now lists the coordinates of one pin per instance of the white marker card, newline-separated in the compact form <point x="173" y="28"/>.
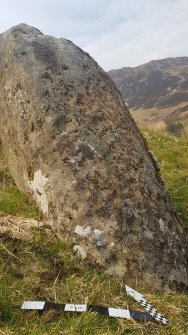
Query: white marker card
<point x="75" y="308"/>
<point x="38" y="305"/>
<point x="119" y="313"/>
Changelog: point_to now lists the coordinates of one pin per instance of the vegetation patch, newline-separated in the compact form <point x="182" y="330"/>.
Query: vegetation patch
<point x="172" y="155"/>
<point x="46" y="269"/>
<point x="11" y="200"/>
<point x="175" y="128"/>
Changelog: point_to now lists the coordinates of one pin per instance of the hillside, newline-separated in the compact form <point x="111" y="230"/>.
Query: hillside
<point x="55" y="273"/>
<point x="157" y="90"/>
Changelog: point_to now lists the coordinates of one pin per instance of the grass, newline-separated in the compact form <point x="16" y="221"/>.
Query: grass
<point x="15" y="203"/>
<point x="12" y="202"/>
<point x="172" y="154"/>
<point x="44" y="268"/>
<point x="47" y="269"/>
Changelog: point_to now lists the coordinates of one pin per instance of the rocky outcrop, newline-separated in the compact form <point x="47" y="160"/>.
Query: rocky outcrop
<point x="73" y="147"/>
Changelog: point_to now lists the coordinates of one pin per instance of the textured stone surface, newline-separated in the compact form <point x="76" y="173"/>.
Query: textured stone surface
<point x="73" y="147"/>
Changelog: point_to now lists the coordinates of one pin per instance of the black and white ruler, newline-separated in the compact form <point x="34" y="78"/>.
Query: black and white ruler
<point x="150" y="314"/>
<point x="108" y="311"/>
<point x="148" y="307"/>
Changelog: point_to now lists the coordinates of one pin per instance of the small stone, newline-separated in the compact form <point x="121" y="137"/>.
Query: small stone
<point x="100" y="237"/>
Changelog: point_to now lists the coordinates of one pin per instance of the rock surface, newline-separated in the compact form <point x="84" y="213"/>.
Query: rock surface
<point x="73" y="147"/>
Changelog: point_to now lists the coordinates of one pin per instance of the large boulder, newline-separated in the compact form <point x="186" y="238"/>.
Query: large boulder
<point x="73" y="147"/>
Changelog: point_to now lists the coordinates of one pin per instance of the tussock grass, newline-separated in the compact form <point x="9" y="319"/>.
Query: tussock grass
<point x="159" y="126"/>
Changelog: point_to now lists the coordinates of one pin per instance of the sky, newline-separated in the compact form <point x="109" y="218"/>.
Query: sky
<point x="116" y="33"/>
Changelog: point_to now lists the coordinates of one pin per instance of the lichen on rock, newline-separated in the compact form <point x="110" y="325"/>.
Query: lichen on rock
<point x="37" y="187"/>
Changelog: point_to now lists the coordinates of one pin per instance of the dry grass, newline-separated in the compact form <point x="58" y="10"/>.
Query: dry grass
<point x="158" y="126"/>
<point x="152" y="115"/>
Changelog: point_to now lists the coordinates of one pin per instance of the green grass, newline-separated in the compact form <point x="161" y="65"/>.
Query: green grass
<point x="15" y="203"/>
<point x="12" y="202"/>
<point x="46" y="269"/>
<point x="172" y="155"/>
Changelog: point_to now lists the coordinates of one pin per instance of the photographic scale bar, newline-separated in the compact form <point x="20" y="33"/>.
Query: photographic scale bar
<point x="108" y="311"/>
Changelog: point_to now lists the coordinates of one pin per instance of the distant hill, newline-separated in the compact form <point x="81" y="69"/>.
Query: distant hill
<point x="155" y="90"/>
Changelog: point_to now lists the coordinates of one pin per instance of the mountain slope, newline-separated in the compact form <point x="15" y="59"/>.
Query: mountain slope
<point x="159" y="89"/>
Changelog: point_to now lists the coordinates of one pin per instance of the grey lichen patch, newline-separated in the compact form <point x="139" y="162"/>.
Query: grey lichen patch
<point x="162" y="225"/>
<point x="80" y="252"/>
<point x="97" y="235"/>
<point x="100" y="237"/>
<point x="37" y="186"/>
<point x="83" y="231"/>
